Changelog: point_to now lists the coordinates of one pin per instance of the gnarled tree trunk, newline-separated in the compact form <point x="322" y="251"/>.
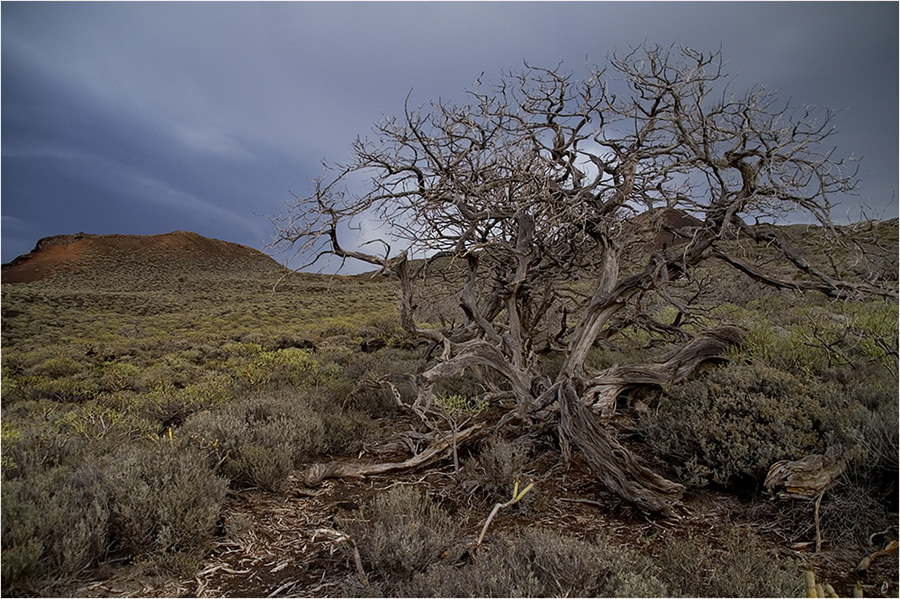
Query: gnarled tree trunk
<point x="541" y="188"/>
<point x="616" y="467"/>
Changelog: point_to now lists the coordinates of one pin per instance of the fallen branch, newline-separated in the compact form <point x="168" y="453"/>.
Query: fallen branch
<point x="438" y="450"/>
<point x="867" y="561"/>
<point x="517" y="496"/>
<point x="339" y="537"/>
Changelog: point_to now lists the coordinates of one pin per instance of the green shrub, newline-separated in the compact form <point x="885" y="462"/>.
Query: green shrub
<point x="737" y="566"/>
<point x="73" y="388"/>
<point x="169" y="406"/>
<point x="58" y="367"/>
<point x="54" y="525"/>
<point x="290" y="366"/>
<point x="93" y="421"/>
<point x="164" y="499"/>
<point x="813" y="337"/>
<point x="542" y="563"/>
<point x="38" y="448"/>
<point x="169" y="372"/>
<point x="730" y="425"/>
<point x="118" y="376"/>
<point x="9" y="436"/>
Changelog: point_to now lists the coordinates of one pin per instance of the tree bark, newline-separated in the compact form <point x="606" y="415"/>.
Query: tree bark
<point x="674" y="368"/>
<point x="617" y="468"/>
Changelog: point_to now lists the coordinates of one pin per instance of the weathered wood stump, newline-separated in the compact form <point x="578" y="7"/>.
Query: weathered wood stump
<point x="807" y="478"/>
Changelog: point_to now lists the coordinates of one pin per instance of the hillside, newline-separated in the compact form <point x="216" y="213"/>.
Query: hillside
<point x="129" y="261"/>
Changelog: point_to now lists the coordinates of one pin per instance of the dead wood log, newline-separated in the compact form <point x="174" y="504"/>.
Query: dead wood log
<point x="673" y="368"/>
<point x="617" y="468"/>
<point x="439" y="449"/>
<point x="866" y="562"/>
<point x="807" y="478"/>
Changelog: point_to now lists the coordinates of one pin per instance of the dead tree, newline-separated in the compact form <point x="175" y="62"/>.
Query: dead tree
<point x="541" y="179"/>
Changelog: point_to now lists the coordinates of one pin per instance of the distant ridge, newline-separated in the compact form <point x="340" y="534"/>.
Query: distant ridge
<point x="130" y="260"/>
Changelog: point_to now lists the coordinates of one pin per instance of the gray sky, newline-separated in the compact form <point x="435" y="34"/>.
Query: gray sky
<point x="143" y="118"/>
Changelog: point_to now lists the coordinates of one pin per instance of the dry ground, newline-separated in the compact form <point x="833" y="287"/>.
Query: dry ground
<point x="279" y="544"/>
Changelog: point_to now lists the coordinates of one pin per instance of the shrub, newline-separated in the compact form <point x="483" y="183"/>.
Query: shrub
<point x="290" y="366"/>
<point x="9" y="436"/>
<point x="739" y="566"/>
<point x="399" y="533"/>
<point x="813" y="338"/>
<point x="164" y="499"/>
<point x="848" y="512"/>
<point x="541" y="563"/>
<point x="501" y="463"/>
<point x="732" y="424"/>
<point x="94" y="421"/>
<point x="170" y="406"/>
<point x="878" y="438"/>
<point x="36" y="387"/>
<point x="39" y="447"/>
<point x="118" y="376"/>
<point x="54" y="525"/>
<point x="259" y="440"/>
<point x="58" y="367"/>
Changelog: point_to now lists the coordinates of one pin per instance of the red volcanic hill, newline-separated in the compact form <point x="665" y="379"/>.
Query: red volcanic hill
<point x="659" y="228"/>
<point x="114" y="260"/>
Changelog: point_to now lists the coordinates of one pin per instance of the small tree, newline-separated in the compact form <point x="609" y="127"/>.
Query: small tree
<point x="541" y="180"/>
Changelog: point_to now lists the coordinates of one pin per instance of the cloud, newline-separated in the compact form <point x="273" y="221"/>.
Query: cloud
<point x="225" y="107"/>
<point x="211" y="140"/>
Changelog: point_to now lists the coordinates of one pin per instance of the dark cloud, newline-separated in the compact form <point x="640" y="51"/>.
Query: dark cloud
<point x="148" y="117"/>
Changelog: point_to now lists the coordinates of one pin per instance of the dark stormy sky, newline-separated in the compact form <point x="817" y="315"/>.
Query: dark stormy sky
<point x="144" y="118"/>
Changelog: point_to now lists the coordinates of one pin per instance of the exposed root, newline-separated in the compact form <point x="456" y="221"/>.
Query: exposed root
<point x="616" y="467"/>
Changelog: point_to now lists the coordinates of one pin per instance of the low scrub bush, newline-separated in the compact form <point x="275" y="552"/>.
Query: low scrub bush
<point x="118" y="376"/>
<point x="739" y="567"/>
<point x="74" y="388"/>
<point x="399" y="533"/>
<point x="499" y="465"/>
<point x="259" y="440"/>
<point x="164" y="499"/>
<point x="54" y="525"/>
<point x="94" y="421"/>
<point x="58" y="367"/>
<point x="849" y="512"/>
<point x="730" y="425"/>
<point x="290" y="366"/>
<point x="169" y="406"/>
<point x="35" y="447"/>
<point x="880" y="448"/>
<point x="814" y="337"/>
<point x="541" y="563"/>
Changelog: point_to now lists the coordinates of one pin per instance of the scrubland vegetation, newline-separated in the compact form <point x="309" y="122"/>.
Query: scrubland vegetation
<point x="130" y="418"/>
<point x="128" y="415"/>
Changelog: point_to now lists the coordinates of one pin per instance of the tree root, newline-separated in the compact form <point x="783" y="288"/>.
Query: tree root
<point x="616" y="467"/>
